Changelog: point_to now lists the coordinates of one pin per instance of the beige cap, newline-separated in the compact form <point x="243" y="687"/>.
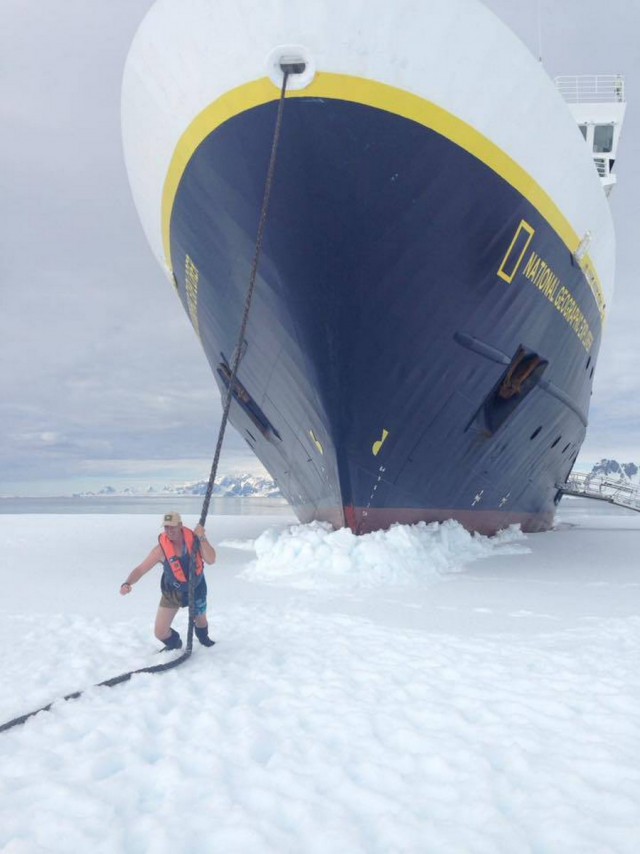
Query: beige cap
<point x="172" y="519"/>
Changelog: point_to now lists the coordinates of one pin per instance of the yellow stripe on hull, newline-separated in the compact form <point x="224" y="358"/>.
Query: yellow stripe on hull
<point x="383" y="97"/>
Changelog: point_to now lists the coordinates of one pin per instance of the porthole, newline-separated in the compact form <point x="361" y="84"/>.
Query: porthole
<point x="535" y="432"/>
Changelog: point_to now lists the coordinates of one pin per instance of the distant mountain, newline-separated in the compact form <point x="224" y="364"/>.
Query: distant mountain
<point x="613" y="470"/>
<point x="229" y="486"/>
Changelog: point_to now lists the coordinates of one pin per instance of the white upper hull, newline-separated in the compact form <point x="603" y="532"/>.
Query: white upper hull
<point x="457" y="55"/>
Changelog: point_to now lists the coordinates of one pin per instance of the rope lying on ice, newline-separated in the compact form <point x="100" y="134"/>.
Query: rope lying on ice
<point x="168" y="665"/>
<point x="108" y="683"/>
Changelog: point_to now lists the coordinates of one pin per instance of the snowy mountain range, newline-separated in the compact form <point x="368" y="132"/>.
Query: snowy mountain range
<point x="613" y="470"/>
<point x="229" y="486"/>
<point x="256" y="486"/>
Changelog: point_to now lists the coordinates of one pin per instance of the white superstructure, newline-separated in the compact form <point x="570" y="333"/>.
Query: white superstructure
<point x="598" y="104"/>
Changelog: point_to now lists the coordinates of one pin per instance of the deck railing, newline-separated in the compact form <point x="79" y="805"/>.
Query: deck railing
<point x="604" y="489"/>
<point x="581" y="88"/>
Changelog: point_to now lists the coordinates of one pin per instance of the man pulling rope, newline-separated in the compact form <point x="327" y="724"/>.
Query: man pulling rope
<point x="181" y="552"/>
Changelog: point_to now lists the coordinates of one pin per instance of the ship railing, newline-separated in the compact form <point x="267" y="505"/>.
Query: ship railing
<point x="584" y="88"/>
<point x="617" y="492"/>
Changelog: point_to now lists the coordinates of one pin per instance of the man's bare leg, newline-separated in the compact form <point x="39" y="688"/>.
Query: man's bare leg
<point x="164" y="618"/>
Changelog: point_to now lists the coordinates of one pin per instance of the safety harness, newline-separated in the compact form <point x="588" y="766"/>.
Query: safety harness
<point x="174" y="572"/>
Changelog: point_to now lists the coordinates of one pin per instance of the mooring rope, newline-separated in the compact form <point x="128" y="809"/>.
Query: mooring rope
<point x="168" y="665"/>
<point x="247" y="305"/>
<point x="108" y="683"/>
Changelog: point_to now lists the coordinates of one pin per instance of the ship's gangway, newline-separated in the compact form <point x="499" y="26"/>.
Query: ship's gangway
<point x="602" y="489"/>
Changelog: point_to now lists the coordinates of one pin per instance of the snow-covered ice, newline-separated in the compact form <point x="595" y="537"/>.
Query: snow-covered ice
<point x="415" y="691"/>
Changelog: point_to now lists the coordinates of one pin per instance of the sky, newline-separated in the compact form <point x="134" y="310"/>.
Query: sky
<point x="102" y="380"/>
<point x="411" y="691"/>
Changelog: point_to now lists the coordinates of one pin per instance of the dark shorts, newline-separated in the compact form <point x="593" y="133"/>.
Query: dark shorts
<point x="173" y="599"/>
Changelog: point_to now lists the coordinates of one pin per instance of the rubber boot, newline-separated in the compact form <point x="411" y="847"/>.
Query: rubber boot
<point x="203" y="636"/>
<point x="174" y="641"/>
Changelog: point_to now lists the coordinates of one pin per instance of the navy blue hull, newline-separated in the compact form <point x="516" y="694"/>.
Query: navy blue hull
<point x="401" y="297"/>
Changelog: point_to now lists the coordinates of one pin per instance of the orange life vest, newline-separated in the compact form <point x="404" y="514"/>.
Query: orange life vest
<point x="173" y="561"/>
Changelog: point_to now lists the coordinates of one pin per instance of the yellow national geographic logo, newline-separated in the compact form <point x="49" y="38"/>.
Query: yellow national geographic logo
<point x="191" y="278"/>
<point x="540" y="274"/>
<point x="316" y="441"/>
<point x="515" y="253"/>
<point x="537" y="271"/>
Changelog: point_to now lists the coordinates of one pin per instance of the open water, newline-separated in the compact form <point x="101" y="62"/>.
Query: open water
<point x="188" y="505"/>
